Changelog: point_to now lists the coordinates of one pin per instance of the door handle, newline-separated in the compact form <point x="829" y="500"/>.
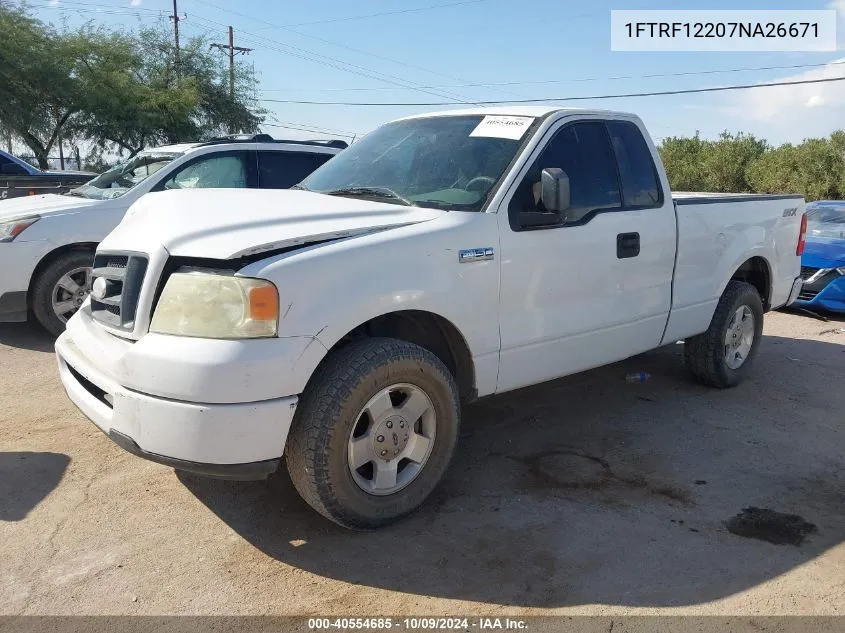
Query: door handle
<point x="627" y="245"/>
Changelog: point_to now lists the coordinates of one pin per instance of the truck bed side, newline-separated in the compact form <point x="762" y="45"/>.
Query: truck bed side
<point x="717" y="234"/>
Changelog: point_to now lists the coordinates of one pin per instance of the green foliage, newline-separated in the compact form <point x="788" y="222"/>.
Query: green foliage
<point x="114" y="87"/>
<point x="814" y="168"/>
<point x="694" y="164"/>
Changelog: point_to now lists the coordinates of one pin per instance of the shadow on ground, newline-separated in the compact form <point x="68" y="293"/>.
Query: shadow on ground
<point x="27" y="335"/>
<point x="26" y="479"/>
<point x="591" y="490"/>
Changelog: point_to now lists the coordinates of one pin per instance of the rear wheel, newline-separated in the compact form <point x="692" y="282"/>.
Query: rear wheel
<point x="722" y="356"/>
<point x="61" y="288"/>
<point x="374" y="432"/>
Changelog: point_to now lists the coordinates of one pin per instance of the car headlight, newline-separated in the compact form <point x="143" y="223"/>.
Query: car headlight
<point x="10" y="229"/>
<point x="208" y="304"/>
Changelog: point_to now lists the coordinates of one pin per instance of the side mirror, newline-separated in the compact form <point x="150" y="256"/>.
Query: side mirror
<point x="554" y="190"/>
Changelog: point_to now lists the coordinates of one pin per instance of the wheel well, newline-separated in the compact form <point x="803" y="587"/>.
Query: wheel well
<point x="755" y="271"/>
<point x="50" y="257"/>
<point x="431" y="332"/>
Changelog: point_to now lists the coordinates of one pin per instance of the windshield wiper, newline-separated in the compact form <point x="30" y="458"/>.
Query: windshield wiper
<point x="75" y="192"/>
<point x="301" y="188"/>
<point x="371" y="192"/>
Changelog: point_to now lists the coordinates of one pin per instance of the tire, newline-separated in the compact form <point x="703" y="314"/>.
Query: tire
<point x="46" y="285"/>
<point x="707" y="355"/>
<point x="331" y="414"/>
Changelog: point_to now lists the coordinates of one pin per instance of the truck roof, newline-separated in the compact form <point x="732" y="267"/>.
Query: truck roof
<point x="514" y="110"/>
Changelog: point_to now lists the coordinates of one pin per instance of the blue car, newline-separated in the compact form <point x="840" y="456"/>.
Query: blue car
<point x="823" y="261"/>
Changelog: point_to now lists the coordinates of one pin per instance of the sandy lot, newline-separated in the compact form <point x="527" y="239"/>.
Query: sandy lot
<point x="585" y="495"/>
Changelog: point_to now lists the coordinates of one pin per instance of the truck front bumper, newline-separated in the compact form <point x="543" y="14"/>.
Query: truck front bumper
<point x="241" y="440"/>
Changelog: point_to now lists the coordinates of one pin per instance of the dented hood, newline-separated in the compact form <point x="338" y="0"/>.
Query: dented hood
<point x="229" y="223"/>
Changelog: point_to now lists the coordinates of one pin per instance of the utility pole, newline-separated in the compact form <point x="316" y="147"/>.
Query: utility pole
<point x="232" y="49"/>
<point x="177" y="60"/>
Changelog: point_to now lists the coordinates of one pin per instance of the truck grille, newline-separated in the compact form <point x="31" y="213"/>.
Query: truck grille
<point x="123" y="274"/>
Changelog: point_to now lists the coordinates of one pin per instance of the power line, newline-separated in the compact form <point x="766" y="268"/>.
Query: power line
<point x="379" y="76"/>
<point x="382" y="13"/>
<point x="582" y="98"/>
<point x="106" y="9"/>
<point x="305" y="128"/>
<point x="574" y="79"/>
<point x="331" y="62"/>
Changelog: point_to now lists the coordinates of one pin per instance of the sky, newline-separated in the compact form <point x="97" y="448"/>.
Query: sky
<point x="460" y="51"/>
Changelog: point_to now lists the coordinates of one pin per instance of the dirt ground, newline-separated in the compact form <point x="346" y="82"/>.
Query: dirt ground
<point x="584" y="495"/>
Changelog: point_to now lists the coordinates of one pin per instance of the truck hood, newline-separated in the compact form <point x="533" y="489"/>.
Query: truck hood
<point x="47" y="204"/>
<point x="228" y="223"/>
<point x="821" y="252"/>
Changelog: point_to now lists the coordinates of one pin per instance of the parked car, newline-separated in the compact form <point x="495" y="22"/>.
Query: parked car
<point x="50" y="239"/>
<point x="441" y="258"/>
<point x="19" y="178"/>
<point x="823" y="261"/>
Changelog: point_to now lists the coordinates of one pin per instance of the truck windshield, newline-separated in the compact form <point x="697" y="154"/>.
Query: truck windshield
<point x="826" y="220"/>
<point x="446" y="162"/>
<point x="122" y="177"/>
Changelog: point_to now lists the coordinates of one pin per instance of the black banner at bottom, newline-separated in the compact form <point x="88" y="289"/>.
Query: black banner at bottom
<point x="438" y="624"/>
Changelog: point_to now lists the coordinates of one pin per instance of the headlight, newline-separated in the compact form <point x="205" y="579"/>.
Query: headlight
<point x="216" y="305"/>
<point x="10" y="229"/>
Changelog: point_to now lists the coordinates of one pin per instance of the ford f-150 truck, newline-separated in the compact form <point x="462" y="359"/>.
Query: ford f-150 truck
<point x="442" y="258"/>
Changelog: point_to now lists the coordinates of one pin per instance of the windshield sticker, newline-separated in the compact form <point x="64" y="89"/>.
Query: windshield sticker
<point x="503" y="126"/>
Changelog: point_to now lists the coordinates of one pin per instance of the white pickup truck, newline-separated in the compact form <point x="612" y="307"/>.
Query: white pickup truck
<point x="442" y="258"/>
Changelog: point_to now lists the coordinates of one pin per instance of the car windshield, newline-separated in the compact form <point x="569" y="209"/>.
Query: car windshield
<point x="824" y="220"/>
<point x="124" y="176"/>
<point x="446" y="162"/>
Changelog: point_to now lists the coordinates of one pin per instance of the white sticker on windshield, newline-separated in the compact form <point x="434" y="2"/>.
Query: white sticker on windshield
<point x="503" y="126"/>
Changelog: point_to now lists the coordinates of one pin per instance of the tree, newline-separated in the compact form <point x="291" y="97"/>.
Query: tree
<point x="114" y="87"/>
<point x="726" y="160"/>
<point x="144" y="102"/>
<point x="682" y="160"/>
<point x="37" y="75"/>
<point x="693" y="164"/>
<point x="815" y="168"/>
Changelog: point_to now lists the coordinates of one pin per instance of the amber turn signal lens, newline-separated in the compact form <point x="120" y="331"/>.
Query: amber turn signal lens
<point x="264" y="303"/>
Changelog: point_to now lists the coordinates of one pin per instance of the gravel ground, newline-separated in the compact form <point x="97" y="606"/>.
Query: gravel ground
<point x="585" y="495"/>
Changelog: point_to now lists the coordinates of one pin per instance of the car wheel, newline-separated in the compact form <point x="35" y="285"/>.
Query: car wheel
<point x="61" y="288"/>
<point x="723" y="355"/>
<point x="374" y="432"/>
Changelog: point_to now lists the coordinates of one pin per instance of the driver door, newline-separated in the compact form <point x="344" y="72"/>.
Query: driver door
<point x="593" y="291"/>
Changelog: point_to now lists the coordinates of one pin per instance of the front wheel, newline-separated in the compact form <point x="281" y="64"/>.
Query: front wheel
<point x="722" y="356"/>
<point x="374" y="432"/>
<point x="61" y="288"/>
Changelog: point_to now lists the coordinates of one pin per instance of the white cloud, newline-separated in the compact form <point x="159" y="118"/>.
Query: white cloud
<point x="136" y="3"/>
<point x="782" y="112"/>
<point x="815" y="101"/>
<point x="53" y="3"/>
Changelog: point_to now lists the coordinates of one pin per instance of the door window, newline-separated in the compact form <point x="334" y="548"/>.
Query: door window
<point x="584" y="152"/>
<point x="282" y="170"/>
<point x="636" y="166"/>
<point x="226" y="171"/>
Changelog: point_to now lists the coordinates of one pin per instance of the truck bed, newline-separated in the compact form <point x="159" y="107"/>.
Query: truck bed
<point x="722" y="235"/>
<point x="697" y="197"/>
